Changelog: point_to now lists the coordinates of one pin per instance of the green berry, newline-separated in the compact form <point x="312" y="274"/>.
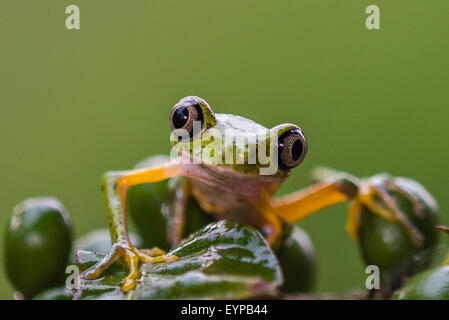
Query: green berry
<point x="37" y="245"/>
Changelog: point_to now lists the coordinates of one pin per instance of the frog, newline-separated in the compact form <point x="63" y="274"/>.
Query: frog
<point x="232" y="178"/>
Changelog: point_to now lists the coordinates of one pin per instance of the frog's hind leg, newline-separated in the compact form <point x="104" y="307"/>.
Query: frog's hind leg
<point x="115" y="186"/>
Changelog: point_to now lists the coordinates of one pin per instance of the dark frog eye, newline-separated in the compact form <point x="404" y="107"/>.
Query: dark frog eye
<point x="185" y="115"/>
<point x="292" y="148"/>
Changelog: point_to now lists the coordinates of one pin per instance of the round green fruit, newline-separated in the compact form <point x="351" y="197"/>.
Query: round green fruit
<point x="144" y="206"/>
<point x="298" y="262"/>
<point x="429" y="285"/>
<point x="37" y="245"/>
<point x="389" y="246"/>
<point x="148" y="203"/>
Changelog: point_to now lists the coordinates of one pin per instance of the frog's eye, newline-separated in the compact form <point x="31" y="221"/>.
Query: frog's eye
<point x="185" y="116"/>
<point x="292" y="148"/>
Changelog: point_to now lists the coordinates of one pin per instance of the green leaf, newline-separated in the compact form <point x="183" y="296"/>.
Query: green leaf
<point x="224" y="260"/>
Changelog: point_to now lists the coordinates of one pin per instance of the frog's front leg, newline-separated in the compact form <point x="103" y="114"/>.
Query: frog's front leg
<point x="301" y="204"/>
<point x="115" y="186"/>
<point x="333" y="189"/>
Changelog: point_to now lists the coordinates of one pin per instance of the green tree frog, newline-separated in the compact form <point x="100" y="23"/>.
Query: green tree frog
<point x="230" y="178"/>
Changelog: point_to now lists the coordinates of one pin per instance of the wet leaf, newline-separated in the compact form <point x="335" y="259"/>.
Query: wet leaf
<point x="224" y="260"/>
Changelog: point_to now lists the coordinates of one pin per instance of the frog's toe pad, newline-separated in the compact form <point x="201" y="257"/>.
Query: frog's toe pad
<point x="153" y="252"/>
<point x="155" y="255"/>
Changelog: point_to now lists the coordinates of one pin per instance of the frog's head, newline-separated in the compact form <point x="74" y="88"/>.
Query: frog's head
<point x="232" y="144"/>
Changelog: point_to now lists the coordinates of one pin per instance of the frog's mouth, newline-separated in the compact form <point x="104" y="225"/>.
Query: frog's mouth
<point x="219" y="174"/>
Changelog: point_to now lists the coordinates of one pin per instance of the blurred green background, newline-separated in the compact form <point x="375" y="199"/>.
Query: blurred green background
<point x="77" y="103"/>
